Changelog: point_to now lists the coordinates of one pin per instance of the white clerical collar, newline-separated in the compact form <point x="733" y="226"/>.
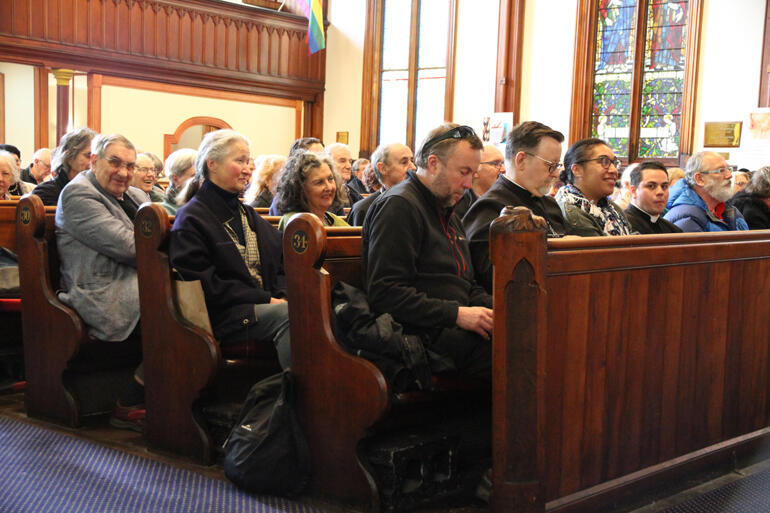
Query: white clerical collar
<point x="653" y="219"/>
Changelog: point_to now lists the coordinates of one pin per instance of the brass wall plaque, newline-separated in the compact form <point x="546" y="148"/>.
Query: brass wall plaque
<point x="722" y="134"/>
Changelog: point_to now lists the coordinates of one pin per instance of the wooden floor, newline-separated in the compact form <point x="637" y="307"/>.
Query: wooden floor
<point x="100" y="432"/>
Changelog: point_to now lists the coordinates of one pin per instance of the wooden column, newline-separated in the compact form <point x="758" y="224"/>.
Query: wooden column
<point x="95" y="102"/>
<point x="40" y="87"/>
<point x="63" y="78"/>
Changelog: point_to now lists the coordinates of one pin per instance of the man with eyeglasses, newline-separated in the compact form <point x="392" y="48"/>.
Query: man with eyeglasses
<point x="697" y="203"/>
<point x="492" y="165"/>
<point x="416" y="261"/>
<point x="648" y="183"/>
<point x="589" y="176"/>
<point x="532" y="153"/>
<point x="40" y="169"/>
<point x="95" y="239"/>
<point x="144" y="177"/>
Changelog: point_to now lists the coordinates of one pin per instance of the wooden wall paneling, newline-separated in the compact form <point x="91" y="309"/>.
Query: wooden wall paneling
<point x="283" y="67"/>
<point x="95" y="82"/>
<point x="96" y="21"/>
<point x="671" y="331"/>
<point x="734" y="353"/>
<point x="231" y="36"/>
<point x="556" y="360"/>
<point x="595" y="424"/>
<point x="37" y="22"/>
<point x="20" y="17"/>
<point x="275" y="48"/>
<point x="242" y="43"/>
<point x="135" y="24"/>
<point x="263" y="55"/>
<point x="40" y="92"/>
<point x="53" y="21"/>
<point x="149" y="30"/>
<point x="80" y="25"/>
<point x="6" y="17"/>
<point x="754" y="393"/>
<point x="123" y="27"/>
<point x="573" y="407"/>
<point x="67" y="20"/>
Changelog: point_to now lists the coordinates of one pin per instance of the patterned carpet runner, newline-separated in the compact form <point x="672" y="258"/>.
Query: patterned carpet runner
<point x="44" y="471"/>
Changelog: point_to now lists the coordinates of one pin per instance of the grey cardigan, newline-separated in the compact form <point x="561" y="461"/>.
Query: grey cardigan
<point x="95" y="240"/>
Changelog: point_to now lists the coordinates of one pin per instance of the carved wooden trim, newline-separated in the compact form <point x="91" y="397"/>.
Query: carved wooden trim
<point x="216" y="45"/>
<point x="510" y="47"/>
<point x="170" y="139"/>
<point x="2" y="108"/>
<point x="95" y="82"/>
<point x="40" y="92"/>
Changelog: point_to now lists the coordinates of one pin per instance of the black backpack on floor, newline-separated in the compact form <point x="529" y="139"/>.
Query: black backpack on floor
<point x="266" y="451"/>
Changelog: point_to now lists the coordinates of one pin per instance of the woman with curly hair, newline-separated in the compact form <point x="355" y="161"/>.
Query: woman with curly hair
<point x="264" y="180"/>
<point x="308" y="183"/>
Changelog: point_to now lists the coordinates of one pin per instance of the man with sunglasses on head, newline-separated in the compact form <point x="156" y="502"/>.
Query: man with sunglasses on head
<point x="697" y="203"/>
<point x="416" y="261"/>
<point x="648" y="184"/>
<point x="532" y="153"/>
<point x="589" y="176"/>
<point x="492" y="165"/>
<point x="95" y="238"/>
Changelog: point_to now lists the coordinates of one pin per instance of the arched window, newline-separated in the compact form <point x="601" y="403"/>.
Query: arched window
<point x="635" y="76"/>
<point x="408" y="70"/>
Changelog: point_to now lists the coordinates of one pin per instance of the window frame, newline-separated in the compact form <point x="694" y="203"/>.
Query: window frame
<point x="583" y="78"/>
<point x="370" y="104"/>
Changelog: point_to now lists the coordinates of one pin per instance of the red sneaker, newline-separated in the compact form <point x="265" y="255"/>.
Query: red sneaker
<point x="128" y="417"/>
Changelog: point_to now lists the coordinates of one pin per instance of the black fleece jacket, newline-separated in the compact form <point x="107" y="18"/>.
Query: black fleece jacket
<point x="416" y="261"/>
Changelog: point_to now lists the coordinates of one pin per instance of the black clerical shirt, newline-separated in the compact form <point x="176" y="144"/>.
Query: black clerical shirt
<point x="642" y="222"/>
<point x="504" y="192"/>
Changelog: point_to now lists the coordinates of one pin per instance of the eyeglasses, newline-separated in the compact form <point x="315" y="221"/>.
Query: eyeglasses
<point x="497" y="164"/>
<point x="604" y="161"/>
<point x="144" y="170"/>
<point x="458" y="132"/>
<point x="722" y="170"/>
<point x="552" y="166"/>
<point x="116" y="163"/>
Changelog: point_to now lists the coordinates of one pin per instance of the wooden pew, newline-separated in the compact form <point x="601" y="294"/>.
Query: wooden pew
<point x="181" y="361"/>
<point x="342" y="399"/>
<point x="61" y="361"/>
<point x="623" y="363"/>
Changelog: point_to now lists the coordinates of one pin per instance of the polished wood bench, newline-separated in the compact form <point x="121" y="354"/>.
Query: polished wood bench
<point x="623" y="363"/>
<point x="181" y="361"/>
<point x="343" y="399"/>
<point x="64" y="366"/>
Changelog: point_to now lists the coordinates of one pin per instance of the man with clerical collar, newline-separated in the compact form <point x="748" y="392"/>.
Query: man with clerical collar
<point x="415" y="258"/>
<point x="390" y="163"/>
<point x="697" y="203"/>
<point x="648" y="183"/>
<point x="532" y="154"/>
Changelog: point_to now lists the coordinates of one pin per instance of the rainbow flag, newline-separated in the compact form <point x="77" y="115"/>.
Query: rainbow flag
<point x="315" y="25"/>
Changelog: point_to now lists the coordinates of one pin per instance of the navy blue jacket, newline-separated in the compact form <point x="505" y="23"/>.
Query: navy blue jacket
<point x="200" y="249"/>
<point x="689" y="212"/>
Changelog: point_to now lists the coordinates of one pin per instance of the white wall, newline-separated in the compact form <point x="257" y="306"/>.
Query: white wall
<point x="728" y="80"/>
<point x="547" y="60"/>
<point x="19" y="108"/>
<point x="344" y="71"/>
<point x="145" y="116"/>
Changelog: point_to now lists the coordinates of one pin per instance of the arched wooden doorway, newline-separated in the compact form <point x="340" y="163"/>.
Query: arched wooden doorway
<point x="209" y="124"/>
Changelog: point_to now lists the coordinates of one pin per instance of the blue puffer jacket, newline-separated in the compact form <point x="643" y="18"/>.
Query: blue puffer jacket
<point x="689" y="212"/>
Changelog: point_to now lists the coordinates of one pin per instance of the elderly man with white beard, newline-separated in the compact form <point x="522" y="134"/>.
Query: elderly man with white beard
<point x="697" y="203"/>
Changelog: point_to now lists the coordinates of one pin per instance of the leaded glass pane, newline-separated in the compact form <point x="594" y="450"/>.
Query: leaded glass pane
<point x="395" y="34"/>
<point x="613" y="72"/>
<point x="393" y="100"/>
<point x="663" y="79"/>
<point x="434" y="27"/>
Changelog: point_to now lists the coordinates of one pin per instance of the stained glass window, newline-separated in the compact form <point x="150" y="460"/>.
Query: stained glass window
<point x="662" y="76"/>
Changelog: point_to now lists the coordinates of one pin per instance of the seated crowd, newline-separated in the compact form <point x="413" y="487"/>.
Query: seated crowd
<point x="425" y="223"/>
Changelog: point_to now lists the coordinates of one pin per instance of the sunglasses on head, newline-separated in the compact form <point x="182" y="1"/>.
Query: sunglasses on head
<point x="458" y="132"/>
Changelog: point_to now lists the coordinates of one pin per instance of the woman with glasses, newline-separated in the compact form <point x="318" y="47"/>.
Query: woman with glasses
<point x="754" y="200"/>
<point x="589" y="176"/>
